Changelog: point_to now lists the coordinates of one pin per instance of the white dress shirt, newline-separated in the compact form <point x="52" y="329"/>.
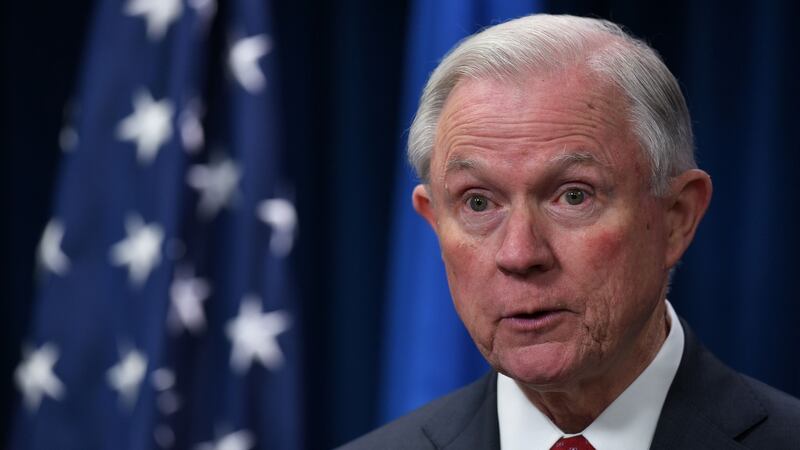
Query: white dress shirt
<point x="628" y="423"/>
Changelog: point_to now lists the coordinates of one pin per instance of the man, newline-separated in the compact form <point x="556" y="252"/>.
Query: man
<point x="557" y="169"/>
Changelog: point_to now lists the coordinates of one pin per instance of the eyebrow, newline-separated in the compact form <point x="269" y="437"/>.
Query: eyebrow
<point x="455" y="165"/>
<point x="570" y="158"/>
<point x="563" y="159"/>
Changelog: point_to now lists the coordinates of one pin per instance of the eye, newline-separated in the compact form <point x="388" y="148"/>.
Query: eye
<point x="478" y="203"/>
<point x="574" y="196"/>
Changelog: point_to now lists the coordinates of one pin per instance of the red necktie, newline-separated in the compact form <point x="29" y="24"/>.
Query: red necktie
<point x="573" y="443"/>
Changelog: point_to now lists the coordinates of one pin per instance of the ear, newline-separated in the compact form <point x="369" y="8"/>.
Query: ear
<point x="423" y="204"/>
<point x="687" y="203"/>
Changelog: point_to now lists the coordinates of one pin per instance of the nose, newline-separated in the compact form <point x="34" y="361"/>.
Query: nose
<point x="524" y="250"/>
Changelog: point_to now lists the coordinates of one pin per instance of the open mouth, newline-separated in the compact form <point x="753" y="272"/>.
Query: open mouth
<point x="536" y="321"/>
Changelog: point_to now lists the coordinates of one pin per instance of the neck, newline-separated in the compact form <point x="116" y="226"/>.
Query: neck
<point x="573" y="408"/>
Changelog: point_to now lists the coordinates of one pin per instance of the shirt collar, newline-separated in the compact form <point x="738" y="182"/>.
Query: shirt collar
<point x="628" y="423"/>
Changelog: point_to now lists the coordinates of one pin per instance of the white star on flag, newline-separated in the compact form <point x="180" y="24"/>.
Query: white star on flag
<point x="255" y="336"/>
<point x="187" y="295"/>
<point x="35" y="378"/>
<point x="217" y="182"/>
<point x="140" y="250"/>
<point x="281" y="216"/>
<point x="149" y="125"/>
<point x="68" y="136"/>
<point x="168" y="402"/>
<point x="238" y="440"/>
<point x="164" y="436"/>
<point x="158" y="14"/>
<point x="49" y="253"/>
<point x="191" y="129"/>
<point x="206" y="9"/>
<point x="126" y="376"/>
<point x="162" y="379"/>
<point x="243" y="61"/>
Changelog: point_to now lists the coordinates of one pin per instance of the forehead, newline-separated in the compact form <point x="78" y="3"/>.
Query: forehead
<point x="535" y="117"/>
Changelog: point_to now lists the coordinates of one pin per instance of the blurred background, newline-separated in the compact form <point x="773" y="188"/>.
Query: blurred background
<point x="208" y="239"/>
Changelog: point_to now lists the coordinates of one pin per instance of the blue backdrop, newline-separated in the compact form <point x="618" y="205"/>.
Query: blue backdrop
<point x="367" y="289"/>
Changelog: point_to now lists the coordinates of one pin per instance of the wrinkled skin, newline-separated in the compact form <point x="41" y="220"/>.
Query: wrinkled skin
<point x="557" y="252"/>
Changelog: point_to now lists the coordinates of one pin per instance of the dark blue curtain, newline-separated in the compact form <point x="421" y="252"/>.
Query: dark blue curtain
<point x="737" y="286"/>
<point x="342" y="104"/>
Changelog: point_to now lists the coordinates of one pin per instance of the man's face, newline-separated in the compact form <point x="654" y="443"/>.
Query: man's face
<point x="555" y="248"/>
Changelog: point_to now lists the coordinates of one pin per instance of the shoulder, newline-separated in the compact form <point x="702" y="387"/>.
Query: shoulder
<point x="709" y="400"/>
<point x="433" y="422"/>
<point x="780" y="426"/>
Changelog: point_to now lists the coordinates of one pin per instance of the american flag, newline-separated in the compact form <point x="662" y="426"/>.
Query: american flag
<point x="165" y="316"/>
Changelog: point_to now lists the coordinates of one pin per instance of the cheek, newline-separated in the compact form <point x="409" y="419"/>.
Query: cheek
<point x="463" y="270"/>
<point x="602" y="270"/>
<point x="464" y="258"/>
<point x="603" y="247"/>
<point x="621" y="273"/>
<point x="468" y="271"/>
<point x="591" y="263"/>
<point x="602" y="283"/>
<point x="619" y="251"/>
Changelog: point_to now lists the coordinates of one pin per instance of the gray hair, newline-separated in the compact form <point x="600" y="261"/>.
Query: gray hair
<point x="540" y="43"/>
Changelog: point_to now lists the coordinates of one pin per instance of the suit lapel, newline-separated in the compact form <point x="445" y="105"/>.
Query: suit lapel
<point x="472" y="424"/>
<point x="708" y="405"/>
<point x="685" y="427"/>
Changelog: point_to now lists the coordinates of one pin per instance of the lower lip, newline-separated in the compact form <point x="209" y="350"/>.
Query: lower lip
<point x="536" y="323"/>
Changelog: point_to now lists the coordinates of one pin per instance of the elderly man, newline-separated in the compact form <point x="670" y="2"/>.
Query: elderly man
<point x="557" y="170"/>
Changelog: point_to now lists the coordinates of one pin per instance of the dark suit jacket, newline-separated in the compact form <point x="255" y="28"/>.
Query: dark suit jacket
<point x="708" y="406"/>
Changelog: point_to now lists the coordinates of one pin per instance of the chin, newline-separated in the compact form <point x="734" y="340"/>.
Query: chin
<point x="543" y="366"/>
